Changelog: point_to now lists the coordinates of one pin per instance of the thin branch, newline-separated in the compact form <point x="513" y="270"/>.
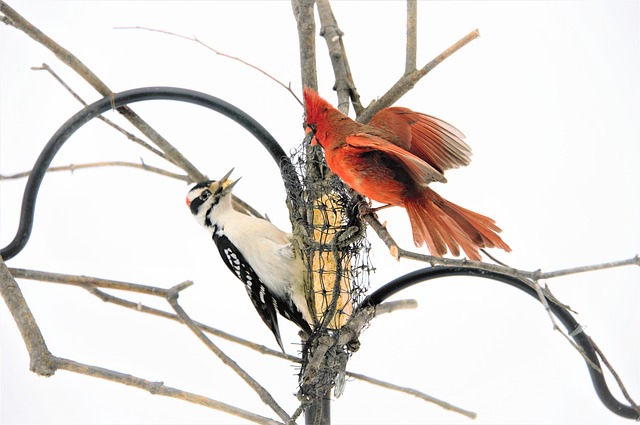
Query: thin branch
<point x="412" y="37"/>
<point x="228" y="361"/>
<point x="633" y="261"/>
<point x="400" y="253"/>
<point x="384" y="308"/>
<point x="240" y="205"/>
<point x="44" y="363"/>
<point x="158" y="388"/>
<point x="206" y="328"/>
<point x="287" y="87"/>
<point x="84" y="281"/>
<point x="102" y="118"/>
<point x="543" y="300"/>
<point x="74" y="167"/>
<point x="11" y="17"/>
<point x="171" y="295"/>
<point x="415" y="393"/>
<point x="305" y="20"/>
<point x="625" y="393"/>
<point x="344" y="85"/>
<point x="39" y="354"/>
<point x="407" y="81"/>
<point x="91" y="284"/>
<point x="391" y="306"/>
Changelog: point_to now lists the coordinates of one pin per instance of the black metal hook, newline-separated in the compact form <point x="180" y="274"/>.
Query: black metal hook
<point x="119" y="99"/>
<point x="578" y="335"/>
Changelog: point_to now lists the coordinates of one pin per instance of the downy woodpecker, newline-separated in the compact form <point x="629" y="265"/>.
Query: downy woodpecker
<point x="257" y="252"/>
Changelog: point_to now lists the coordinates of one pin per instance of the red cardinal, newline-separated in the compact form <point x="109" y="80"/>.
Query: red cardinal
<point x="392" y="160"/>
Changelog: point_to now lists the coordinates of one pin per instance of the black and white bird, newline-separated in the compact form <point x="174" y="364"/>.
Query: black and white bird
<point x="257" y="252"/>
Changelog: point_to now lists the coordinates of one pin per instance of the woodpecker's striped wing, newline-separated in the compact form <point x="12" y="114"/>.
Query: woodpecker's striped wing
<point x="263" y="300"/>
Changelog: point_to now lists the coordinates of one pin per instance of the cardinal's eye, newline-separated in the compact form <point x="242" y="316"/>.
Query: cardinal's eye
<point x="313" y="127"/>
<point x="204" y="195"/>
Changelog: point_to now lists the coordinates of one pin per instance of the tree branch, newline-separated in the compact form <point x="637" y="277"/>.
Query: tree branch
<point x="11" y="17"/>
<point x="287" y="87"/>
<point x="305" y="20"/>
<point x="621" y="385"/>
<point x="158" y="388"/>
<point x="74" y="167"/>
<point x="102" y="118"/>
<point x="45" y="364"/>
<point x="407" y="81"/>
<point x="415" y="393"/>
<point x="344" y="85"/>
<point x="412" y="37"/>
<point x="84" y="281"/>
<point x="228" y="361"/>
<point x="92" y="287"/>
<point x="39" y="354"/>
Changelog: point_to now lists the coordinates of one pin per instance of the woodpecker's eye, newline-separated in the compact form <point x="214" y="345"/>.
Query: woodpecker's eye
<point x="204" y="195"/>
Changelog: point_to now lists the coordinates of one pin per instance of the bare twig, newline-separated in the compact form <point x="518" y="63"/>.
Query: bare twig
<point x="92" y="284"/>
<point x="171" y="295"/>
<point x="615" y="376"/>
<point x="412" y="37"/>
<point x="344" y="85"/>
<point x="391" y="306"/>
<point x="407" y="81"/>
<point x="633" y="261"/>
<point x="158" y="388"/>
<point x="387" y="307"/>
<point x="74" y="167"/>
<point x="44" y="363"/>
<point x="543" y="300"/>
<point x="240" y="205"/>
<point x="205" y="328"/>
<point x="84" y="281"/>
<point x="102" y="118"/>
<point x="305" y="20"/>
<point x="11" y="17"/>
<point x="228" y="361"/>
<point x="399" y="253"/>
<point x="287" y="87"/>
<point x="39" y="354"/>
<point x="415" y="393"/>
<point x="384" y="308"/>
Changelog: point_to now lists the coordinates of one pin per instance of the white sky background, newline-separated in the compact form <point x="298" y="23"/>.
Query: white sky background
<point x="549" y="98"/>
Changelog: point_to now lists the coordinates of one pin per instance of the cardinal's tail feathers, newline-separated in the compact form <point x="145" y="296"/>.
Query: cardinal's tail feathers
<point x="444" y="225"/>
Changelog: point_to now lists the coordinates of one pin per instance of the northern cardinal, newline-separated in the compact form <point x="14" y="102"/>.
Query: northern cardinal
<point x="392" y="160"/>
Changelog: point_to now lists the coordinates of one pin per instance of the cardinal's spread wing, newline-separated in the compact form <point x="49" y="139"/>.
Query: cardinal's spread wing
<point x="429" y="138"/>
<point x="419" y="170"/>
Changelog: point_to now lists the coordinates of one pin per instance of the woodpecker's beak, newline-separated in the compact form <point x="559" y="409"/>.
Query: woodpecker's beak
<point x="226" y="176"/>
<point x="225" y="183"/>
<point x="227" y="187"/>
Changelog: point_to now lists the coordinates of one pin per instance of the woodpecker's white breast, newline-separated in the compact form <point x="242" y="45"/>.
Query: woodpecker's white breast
<point x="268" y="250"/>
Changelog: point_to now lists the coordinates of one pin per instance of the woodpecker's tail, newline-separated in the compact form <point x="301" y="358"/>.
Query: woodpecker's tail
<point x="443" y="224"/>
